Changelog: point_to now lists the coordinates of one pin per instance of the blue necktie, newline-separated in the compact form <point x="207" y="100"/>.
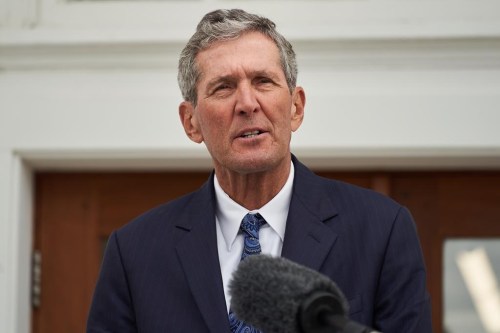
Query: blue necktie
<point x="250" y="227"/>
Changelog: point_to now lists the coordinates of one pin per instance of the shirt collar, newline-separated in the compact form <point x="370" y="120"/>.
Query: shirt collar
<point x="229" y="213"/>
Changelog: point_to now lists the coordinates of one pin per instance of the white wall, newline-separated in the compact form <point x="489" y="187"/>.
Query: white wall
<point x="389" y="85"/>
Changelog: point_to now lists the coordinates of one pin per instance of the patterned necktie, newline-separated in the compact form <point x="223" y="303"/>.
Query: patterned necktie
<point x="250" y="227"/>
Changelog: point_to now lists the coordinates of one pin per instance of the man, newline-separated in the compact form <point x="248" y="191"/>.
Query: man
<point x="168" y="270"/>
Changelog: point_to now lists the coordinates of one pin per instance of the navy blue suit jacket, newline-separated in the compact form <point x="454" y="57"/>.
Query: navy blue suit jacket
<point x="161" y="272"/>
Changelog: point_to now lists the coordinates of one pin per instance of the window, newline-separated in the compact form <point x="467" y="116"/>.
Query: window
<point x="471" y="290"/>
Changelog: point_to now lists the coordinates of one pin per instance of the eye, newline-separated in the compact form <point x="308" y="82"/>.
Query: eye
<point x="223" y="86"/>
<point x="220" y="89"/>
<point x="263" y="80"/>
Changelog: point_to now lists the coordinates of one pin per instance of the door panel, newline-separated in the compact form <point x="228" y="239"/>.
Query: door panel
<point x="75" y="214"/>
<point x="64" y="228"/>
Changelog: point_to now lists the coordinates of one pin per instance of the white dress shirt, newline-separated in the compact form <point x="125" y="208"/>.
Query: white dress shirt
<point x="228" y="217"/>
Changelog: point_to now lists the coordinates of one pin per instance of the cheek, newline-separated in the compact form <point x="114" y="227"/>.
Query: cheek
<point x="212" y="124"/>
<point x="283" y="118"/>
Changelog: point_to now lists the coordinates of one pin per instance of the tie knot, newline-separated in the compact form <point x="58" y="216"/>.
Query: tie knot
<point x="251" y="224"/>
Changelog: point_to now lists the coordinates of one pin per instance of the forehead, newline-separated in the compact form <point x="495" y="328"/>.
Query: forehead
<point x="252" y="51"/>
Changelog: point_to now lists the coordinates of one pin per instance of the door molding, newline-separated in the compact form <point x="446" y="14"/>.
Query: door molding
<point x="352" y="158"/>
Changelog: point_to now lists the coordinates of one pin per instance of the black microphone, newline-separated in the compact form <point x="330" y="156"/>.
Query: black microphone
<point x="277" y="295"/>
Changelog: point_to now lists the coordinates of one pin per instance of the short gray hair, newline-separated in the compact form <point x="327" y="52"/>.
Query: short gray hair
<point x="227" y="24"/>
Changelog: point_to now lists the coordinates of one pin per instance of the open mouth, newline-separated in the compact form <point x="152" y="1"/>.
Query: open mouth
<point x="251" y="134"/>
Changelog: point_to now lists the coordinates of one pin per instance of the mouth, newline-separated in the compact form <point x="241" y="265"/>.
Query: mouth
<point x="250" y="134"/>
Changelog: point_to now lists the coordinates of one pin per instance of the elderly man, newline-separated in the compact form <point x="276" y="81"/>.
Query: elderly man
<point x="168" y="270"/>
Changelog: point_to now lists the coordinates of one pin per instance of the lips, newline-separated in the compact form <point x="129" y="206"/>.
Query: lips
<point x="250" y="134"/>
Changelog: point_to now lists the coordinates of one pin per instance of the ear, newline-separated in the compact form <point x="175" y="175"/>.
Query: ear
<point x="298" y="105"/>
<point x="190" y="122"/>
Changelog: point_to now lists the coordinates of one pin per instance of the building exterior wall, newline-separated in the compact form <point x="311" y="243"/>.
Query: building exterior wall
<point x="388" y="87"/>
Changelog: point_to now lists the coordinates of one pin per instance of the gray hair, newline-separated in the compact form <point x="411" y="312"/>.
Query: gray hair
<point x="227" y="24"/>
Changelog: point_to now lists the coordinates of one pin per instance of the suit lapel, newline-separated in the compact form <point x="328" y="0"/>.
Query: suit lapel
<point x="308" y="240"/>
<point x="197" y="252"/>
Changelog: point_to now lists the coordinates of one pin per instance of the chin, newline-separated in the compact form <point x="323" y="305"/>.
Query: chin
<point x="254" y="163"/>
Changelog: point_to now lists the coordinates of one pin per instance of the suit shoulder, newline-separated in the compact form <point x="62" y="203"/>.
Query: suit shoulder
<point x="367" y="211"/>
<point x="350" y="195"/>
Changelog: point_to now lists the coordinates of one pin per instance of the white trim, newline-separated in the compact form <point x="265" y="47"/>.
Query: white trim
<point x="32" y="21"/>
<point x="390" y="159"/>
<point x="466" y="53"/>
<point x="7" y="297"/>
<point x="3" y="13"/>
<point x="16" y="266"/>
<point x="19" y="14"/>
<point x="22" y="245"/>
<point x="383" y="18"/>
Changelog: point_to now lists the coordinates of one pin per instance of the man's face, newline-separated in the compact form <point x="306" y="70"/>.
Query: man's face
<point x="245" y="113"/>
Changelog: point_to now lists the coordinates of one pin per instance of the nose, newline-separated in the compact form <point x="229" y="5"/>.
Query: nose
<point x="246" y="100"/>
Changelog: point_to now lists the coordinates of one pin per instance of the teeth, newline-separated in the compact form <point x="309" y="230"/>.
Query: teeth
<point x="250" y="134"/>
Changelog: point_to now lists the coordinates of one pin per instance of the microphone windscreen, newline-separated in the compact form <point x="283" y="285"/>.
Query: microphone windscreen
<point x="267" y="292"/>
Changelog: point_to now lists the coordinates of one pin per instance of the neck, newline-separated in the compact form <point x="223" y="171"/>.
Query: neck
<point x="254" y="190"/>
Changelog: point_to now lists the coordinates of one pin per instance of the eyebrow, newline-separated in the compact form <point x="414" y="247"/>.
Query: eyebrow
<point x="270" y="74"/>
<point x="232" y="78"/>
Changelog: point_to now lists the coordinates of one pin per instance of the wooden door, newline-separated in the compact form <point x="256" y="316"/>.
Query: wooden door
<point x="448" y="205"/>
<point x="75" y="213"/>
